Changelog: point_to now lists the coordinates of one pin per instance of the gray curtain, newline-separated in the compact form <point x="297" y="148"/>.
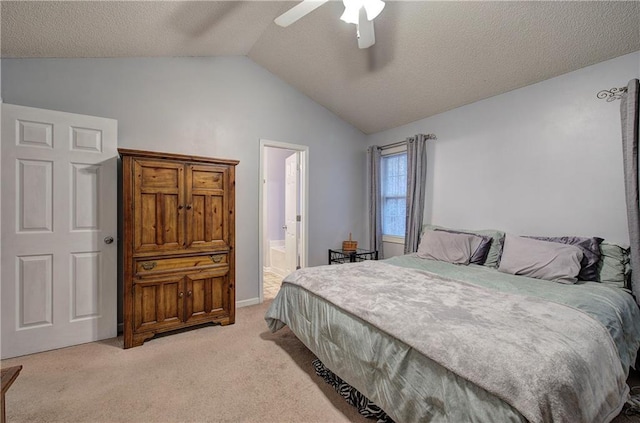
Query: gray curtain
<point x="375" y="201"/>
<point x="630" y="118"/>
<point x="416" y="180"/>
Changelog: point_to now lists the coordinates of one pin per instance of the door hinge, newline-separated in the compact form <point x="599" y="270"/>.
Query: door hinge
<point x="298" y="218"/>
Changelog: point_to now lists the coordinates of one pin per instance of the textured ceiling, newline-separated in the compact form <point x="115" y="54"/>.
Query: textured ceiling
<point x="429" y="57"/>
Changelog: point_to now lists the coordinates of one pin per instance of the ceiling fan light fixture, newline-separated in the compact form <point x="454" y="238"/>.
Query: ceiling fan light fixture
<point x="352" y="9"/>
<point x="373" y="8"/>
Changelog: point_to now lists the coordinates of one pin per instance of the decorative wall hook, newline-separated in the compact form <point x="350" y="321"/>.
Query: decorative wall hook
<point x="612" y="94"/>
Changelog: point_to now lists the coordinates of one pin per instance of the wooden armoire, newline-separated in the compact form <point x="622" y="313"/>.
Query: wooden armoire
<point x="178" y="242"/>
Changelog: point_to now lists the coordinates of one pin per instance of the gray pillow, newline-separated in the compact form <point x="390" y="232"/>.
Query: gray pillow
<point x="590" y="249"/>
<point x="446" y="246"/>
<point x="479" y="256"/>
<point x="493" y="255"/>
<point x="613" y="268"/>
<point x="550" y="261"/>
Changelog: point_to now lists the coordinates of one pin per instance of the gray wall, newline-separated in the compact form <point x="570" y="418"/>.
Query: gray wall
<point x="218" y="107"/>
<point x="541" y="160"/>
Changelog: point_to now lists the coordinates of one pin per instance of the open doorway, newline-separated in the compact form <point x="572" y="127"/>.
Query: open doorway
<point x="283" y="224"/>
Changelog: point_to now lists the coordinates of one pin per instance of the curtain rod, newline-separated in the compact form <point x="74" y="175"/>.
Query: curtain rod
<point x="612" y="94"/>
<point x="396" y="144"/>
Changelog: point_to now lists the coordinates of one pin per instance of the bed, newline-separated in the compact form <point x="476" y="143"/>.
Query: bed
<point x="428" y="340"/>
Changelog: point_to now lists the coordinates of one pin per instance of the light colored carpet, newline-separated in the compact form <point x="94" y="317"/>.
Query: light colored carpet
<point x="237" y="373"/>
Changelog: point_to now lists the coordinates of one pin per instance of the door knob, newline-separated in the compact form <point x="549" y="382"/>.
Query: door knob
<point x="108" y="240"/>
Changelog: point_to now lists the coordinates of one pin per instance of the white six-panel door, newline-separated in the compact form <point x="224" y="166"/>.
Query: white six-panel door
<point x="292" y="165"/>
<point x="59" y="227"/>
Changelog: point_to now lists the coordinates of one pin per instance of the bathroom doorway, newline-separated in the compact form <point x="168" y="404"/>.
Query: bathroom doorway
<point x="282" y="224"/>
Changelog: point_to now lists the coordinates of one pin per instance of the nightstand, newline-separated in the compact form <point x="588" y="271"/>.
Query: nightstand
<point x="341" y="256"/>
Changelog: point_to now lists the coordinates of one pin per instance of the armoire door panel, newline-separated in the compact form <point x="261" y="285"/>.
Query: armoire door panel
<point x="219" y="301"/>
<point x="217" y="218"/>
<point x="159" y="175"/>
<point x="158" y="303"/>
<point x="208" y="178"/>
<point x="207" y="296"/>
<point x="171" y="215"/>
<point x="206" y="214"/>
<point x="199" y="295"/>
<point x="146" y="234"/>
<point x="200" y="219"/>
<point x="158" y="205"/>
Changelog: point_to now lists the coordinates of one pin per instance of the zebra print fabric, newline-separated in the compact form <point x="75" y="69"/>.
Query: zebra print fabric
<point x="351" y="394"/>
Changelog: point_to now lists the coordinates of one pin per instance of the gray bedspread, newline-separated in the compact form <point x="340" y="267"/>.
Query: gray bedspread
<point x="547" y="360"/>
<point x="613" y="307"/>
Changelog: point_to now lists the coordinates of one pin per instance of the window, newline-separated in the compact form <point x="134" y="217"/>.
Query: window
<point x="394" y="195"/>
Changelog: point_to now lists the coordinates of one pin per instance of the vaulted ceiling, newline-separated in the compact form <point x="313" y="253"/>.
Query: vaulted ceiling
<point x="429" y="56"/>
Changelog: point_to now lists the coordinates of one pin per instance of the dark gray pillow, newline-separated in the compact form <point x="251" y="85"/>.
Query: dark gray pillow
<point x="479" y="256"/>
<point x="590" y="249"/>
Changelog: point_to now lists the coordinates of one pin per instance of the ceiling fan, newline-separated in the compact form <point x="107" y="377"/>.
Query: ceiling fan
<point x="358" y="12"/>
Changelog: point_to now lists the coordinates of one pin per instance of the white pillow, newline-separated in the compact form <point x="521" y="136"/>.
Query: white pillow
<point x="451" y="247"/>
<point x="546" y="260"/>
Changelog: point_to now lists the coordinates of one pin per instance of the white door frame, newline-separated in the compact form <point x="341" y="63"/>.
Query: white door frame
<point x="304" y="204"/>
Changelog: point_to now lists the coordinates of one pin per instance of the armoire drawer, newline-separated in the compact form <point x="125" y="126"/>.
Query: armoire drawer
<point x="149" y="267"/>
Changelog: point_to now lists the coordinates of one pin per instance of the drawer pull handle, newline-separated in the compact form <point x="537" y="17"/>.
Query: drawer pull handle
<point x="148" y="265"/>
<point x="216" y="258"/>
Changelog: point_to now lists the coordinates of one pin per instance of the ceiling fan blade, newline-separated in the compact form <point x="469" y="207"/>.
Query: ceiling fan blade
<point x="366" y="34"/>
<point x="298" y="11"/>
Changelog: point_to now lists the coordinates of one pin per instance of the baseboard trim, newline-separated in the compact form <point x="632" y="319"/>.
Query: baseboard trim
<point x="247" y="303"/>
